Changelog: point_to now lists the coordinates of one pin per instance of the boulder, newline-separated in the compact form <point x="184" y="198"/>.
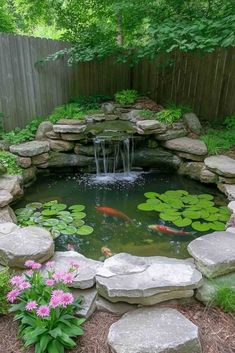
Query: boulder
<point x="191" y="169"/>
<point x="207" y="176"/>
<point x="73" y="137"/>
<point x="24" y="162"/>
<point x="29" y="175"/>
<point x="3" y="169"/>
<point x="231" y="206"/>
<point x="226" y="180"/>
<point x="29" y="149"/>
<point x="188" y="145"/>
<point x="66" y="121"/>
<point x="191" y="157"/>
<point x="152" y="157"/>
<point x="115" y="308"/>
<point x="151" y="125"/>
<point x="12" y="184"/>
<point x="74" y="129"/>
<point x="228" y="190"/>
<point x="150" y="330"/>
<point x="87" y="150"/>
<point x="40" y="159"/>
<point x="214" y="253"/>
<point x="108" y="107"/>
<point x="193" y="123"/>
<point x="221" y="165"/>
<point x="43" y="129"/>
<point x="69" y="160"/>
<point x="18" y="245"/>
<point x="87" y="267"/>
<point x="5" y="198"/>
<point x="4" y="145"/>
<point x="146" y="280"/>
<point x="7" y="215"/>
<point x="61" y="146"/>
<point x="88" y="303"/>
<point x="171" y="134"/>
<point x="53" y="135"/>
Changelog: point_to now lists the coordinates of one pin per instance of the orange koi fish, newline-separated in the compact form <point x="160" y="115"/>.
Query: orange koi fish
<point x="106" y="251"/>
<point x="113" y="212"/>
<point x="167" y="230"/>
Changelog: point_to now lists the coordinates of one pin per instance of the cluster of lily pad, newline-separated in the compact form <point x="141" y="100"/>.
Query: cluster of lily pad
<point x="183" y="209"/>
<point x="57" y="217"/>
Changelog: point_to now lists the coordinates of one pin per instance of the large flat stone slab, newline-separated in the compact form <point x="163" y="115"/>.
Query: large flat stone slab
<point x="151" y="125"/>
<point x="5" y="198"/>
<point x="29" y="149"/>
<point x="228" y="190"/>
<point x="155" y="157"/>
<point x="88" y="303"/>
<point x="188" y="145"/>
<point x="75" y="129"/>
<point x="58" y="160"/>
<point x="154" y="330"/>
<point x="214" y="253"/>
<point x="18" y="245"/>
<point x="222" y="165"/>
<point x="87" y="267"/>
<point x="146" y="280"/>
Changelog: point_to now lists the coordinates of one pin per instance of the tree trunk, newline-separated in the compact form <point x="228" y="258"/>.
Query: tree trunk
<point x="120" y="38"/>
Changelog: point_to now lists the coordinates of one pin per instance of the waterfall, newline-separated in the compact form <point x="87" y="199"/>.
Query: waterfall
<point x="112" y="156"/>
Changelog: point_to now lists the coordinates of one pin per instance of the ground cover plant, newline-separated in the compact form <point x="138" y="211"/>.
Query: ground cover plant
<point x="225" y="297"/>
<point x="9" y="160"/>
<point x="184" y="210"/>
<point x="56" y="217"/>
<point x="4" y="289"/>
<point x="18" y="135"/>
<point x="126" y="96"/>
<point x="45" y="308"/>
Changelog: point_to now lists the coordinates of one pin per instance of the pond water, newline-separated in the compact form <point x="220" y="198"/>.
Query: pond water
<point x="125" y="195"/>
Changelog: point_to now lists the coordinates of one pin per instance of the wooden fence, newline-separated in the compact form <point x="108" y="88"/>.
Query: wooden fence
<point x="27" y="91"/>
<point x="205" y="82"/>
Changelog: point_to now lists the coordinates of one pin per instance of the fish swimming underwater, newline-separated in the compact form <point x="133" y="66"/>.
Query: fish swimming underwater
<point x="106" y="251"/>
<point x="167" y="230"/>
<point x="113" y="212"/>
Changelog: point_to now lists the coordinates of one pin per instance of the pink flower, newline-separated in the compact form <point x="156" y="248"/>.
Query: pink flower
<point x="49" y="282"/>
<point x="16" y="280"/>
<point x="29" y="272"/>
<point x="43" y="311"/>
<point x="58" y="276"/>
<point x="24" y="285"/>
<point x="54" y="302"/>
<point x="31" y="305"/>
<point x="29" y="263"/>
<point x="50" y="264"/>
<point x="33" y="265"/>
<point x="12" y="295"/>
<point x="74" y="264"/>
<point x="66" y="299"/>
<point x="68" y="278"/>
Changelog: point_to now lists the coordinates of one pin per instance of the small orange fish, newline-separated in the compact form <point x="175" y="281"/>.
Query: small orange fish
<point x="106" y="251"/>
<point x="113" y="212"/>
<point x="167" y="230"/>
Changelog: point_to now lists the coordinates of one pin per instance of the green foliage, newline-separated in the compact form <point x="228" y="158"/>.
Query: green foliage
<point x="218" y="141"/>
<point x="90" y="102"/>
<point x="9" y="160"/>
<point x="225" y="298"/>
<point x="6" y="18"/>
<point x="56" y="217"/>
<point x="183" y="210"/>
<point x="184" y="108"/>
<point x="126" y="96"/>
<point x="46" y="312"/>
<point x="229" y="122"/>
<point x="22" y="135"/>
<point x="147" y="114"/>
<point x="169" y="116"/>
<point x="4" y="289"/>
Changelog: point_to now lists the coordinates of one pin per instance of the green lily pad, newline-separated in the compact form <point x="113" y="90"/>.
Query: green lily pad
<point x="66" y="219"/>
<point x="50" y="203"/>
<point x="61" y="225"/>
<point x="151" y="195"/>
<point x="55" y="233"/>
<point x="212" y="217"/>
<point x="192" y="214"/>
<point x="190" y="199"/>
<point x="64" y="213"/>
<point x="78" y="222"/>
<point x="206" y="197"/>
<point x="85" y="230"/>
<point x="182" y="222"/>
<point x="51" y="222"/>
<point x="201" y="227"/>
<point x="70" y="230"/>
<point x="223" y="217"/>
<point x="167" y="216"/>
<point x="77" y="208"/>
<point x="147" y="206"/>
<point x="153" y="201"/>
<point x="48" y="212"/>
<point x="78" y="215"/>
<point x="59" y="207"/>
<point x="217" y="225"/>
<point x="204" y="214"/>
<point x="161" y="207"/>
<point x="34" y="205"/>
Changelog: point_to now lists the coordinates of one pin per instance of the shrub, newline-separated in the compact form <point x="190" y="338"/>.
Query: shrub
<point x="229" y="122"/>
<point x="147" y="114"/>
<point x="22" y="135"/>
<point x="70" y="111"/>
<point x="184" y="108"/>
<point x="9" y="160"/>
<point x="4" y="288"/>
<point x="169" y="116"/>
<point x="225" y="298"/>
<point x="90" y="102"/>
<point x="127" y="96"/>
<point x="45" y="308"/>
<point x="218" y="141"/>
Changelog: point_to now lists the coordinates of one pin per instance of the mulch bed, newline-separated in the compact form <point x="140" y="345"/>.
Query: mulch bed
<point x="217" y="331"/>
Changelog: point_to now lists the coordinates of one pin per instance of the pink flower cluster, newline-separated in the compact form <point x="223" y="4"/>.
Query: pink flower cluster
<point x="20" y="285"/>
<point x="63" y="276"/>
<point x="33" y="265"/>
<point x="60" y="298"/>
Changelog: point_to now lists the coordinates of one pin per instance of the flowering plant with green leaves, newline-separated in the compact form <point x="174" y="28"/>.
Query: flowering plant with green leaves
<point x="45" y="308"/>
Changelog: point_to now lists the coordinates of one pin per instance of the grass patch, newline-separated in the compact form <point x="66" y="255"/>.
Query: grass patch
<point x="4" y="289"/>
<point x="225" y="298"/>
<point x="71" y="111"/>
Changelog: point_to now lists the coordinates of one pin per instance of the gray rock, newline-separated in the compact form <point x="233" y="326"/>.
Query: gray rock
<point x="197" y="171"/>
<point x="85" y="150"/>
<point x="12" y="184"/>
<point x="88" y="303"/>
<point x="193" y="123"/>
<point x="4" y="145"/>
<point x="69" y="160"/>
<point x="3" y="169"/>
<point x="24" y="162"/>
<point x="226" y="180"/>
<point x="152" y="157"/>
<point x="135" y="115"/>
<point x="95" y="118"/>
<point x="5" y="198"/>
<point x="29" y="149"/>
<point x="231" y="230"/>
<point x="146" y="280"/>
<point x="108" y="107"/>
<point x="74" y="129"/>
<point x="53" y="135"/>
<point x="191" y="157"/>
<point x="188" y="145"/>
<point x="231" y="206"/>
<point x="150" y="125"/>
<point x="207" y="176"/>
<point x="206" y="293"/>
<point x="7" y="215"/>
<point x="171" y="134"/>
<point x="40" y="159"/>
<point x="214" y="253"/>
<point x="67" y="121"/>
<point x="154" y="330"/>
<point x="87" y="267"/>
<point x="115" y="308"/>
<point x="111" y="117"/>
<point x="228" y="190"/>
<point x="18" y="245"/>
<point x="29" y="175"/>
<point x="43" y="129"/>
<point x="61" y="146"/>
<point x="73" y="137"/>
<point x="221" y="165"/>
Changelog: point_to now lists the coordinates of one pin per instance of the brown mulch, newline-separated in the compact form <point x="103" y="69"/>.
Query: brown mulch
<point x="217" y="331"/>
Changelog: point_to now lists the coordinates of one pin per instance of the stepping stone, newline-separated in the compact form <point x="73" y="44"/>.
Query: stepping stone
<point x="5" y="198"/>
<point x="88" y="303"/>
<point x="171" y="134"/>
<point x="221" y="165"/>
<point x="154" y="330"/>
<point x="87" y="267"/>
<point x="188" y="145"/>
<point x="18" y="245"/>
<point x="29" y="149"/>
<point x="146" y="280"/>
<point x="115" y="308"/>
<point x="214" y="253"/>
<point x="69" y="128"/>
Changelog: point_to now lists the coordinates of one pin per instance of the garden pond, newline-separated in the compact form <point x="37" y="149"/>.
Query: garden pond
<point x="71" y="207"/>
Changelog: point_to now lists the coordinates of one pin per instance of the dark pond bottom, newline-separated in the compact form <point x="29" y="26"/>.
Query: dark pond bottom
<point x="123" y="195"/>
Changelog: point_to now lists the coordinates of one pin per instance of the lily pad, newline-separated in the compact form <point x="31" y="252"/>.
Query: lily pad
<point x="182" y="222"/>
<point x="59" y="207"/>
<point x="51" y="222"/>
<point x="192" y="214"/>
<point x="147" y="206"/>
<point x="34" y="205"/>
<point x="78" y="215"/>
<point x="50" y="203"/>
<point x="217" y="225"/>
<point x="78" y="222"/>
<point x="201" y="227"/>
<point x="169" y="216"/>
<point x="55" y="233"/>
<point x="85" y="230"/>
<point x="151" y="195"/>
<point x="77" y="208"/>
<point x="206" y="197"/>
<point x="48" y="212"/>
<point x="70" y="230"/>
